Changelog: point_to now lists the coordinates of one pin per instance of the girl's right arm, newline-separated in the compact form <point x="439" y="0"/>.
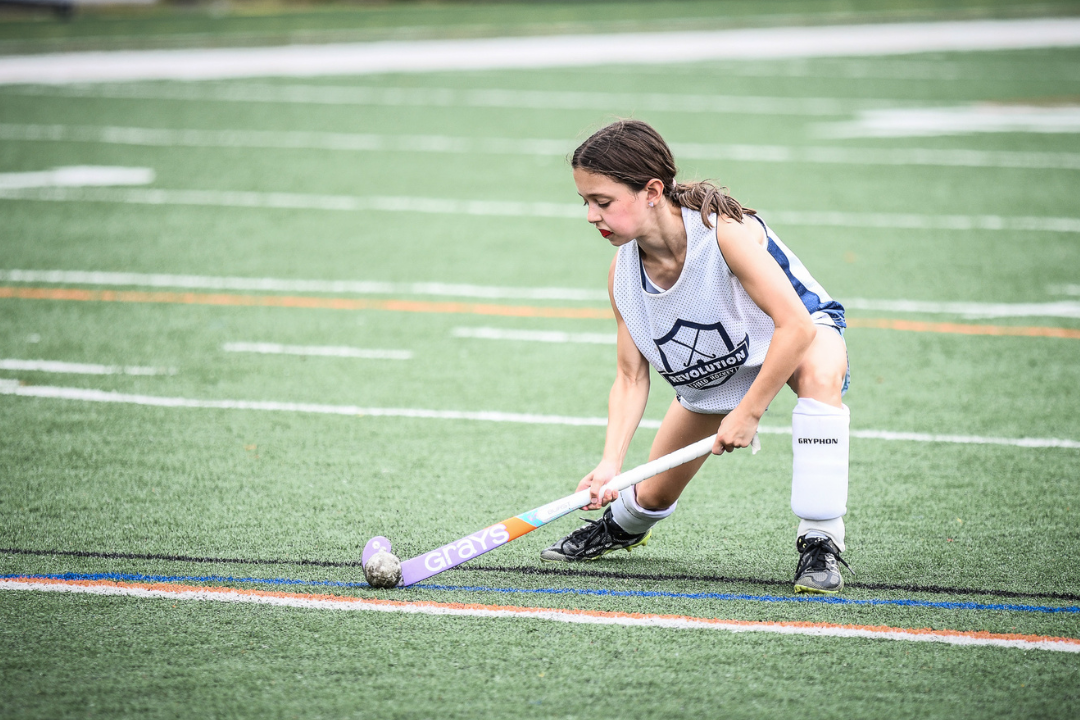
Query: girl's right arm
<point x="626" y="405"/>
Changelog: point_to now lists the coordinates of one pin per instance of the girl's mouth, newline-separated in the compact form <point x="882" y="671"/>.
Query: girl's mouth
<point x="605" y="233"/>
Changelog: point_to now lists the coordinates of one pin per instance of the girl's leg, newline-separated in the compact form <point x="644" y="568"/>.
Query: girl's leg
<point x="627" y="522"/>
<point x="680" y="428"/>
<point x="820" y="376"/>
<point x="820" y="439"/>
<point x="640" y="507"/>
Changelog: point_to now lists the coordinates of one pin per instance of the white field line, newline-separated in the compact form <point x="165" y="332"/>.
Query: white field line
<point x="490" y="98"/>
<point x="983" y="118"/>
<point x="297" y="201"/>
<point x="360" y="287"/>
<point x="317" y="350"/>
<point x="846" y="68"/>
<point x="12" y="387"/>
<point x="76" y="176"/>
<point x="366" y="142"/>
<point x="1066" y="309"/>
<point x="935" y="438"/>
<point x="509" y="208"/>
<point x="54" y="366"/>
<point x="300" y="140"/>
<point x="851" y="68"/>
<point x="548" y="336"/>
<point x="878" y="156"/>
<point x="540" y="52"/>
<point x="1070" y="289"/>
<point x="9" y="387"/>
<point x="963" y="439"/>
<point x="584" y="617"/>
<point x="912" y="221"/>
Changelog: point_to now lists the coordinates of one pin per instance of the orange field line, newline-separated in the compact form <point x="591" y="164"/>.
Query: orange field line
<point x="300" y="301"/>
<point x="420" y="306"/>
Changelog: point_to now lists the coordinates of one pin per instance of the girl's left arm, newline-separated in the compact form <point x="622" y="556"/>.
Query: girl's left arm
<point x="767" y="285"/>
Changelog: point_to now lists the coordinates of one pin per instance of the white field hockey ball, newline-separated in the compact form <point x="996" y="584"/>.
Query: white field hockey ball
<point x="383" y="570"/>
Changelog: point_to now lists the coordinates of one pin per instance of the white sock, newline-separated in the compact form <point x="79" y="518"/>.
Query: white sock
<point x="633" y="518"/>
<point x="819" y="478"/>
<point x="832" y="529"/>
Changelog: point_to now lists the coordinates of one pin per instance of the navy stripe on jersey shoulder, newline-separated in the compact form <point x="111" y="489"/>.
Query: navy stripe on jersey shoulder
<point x="810" y="300"/>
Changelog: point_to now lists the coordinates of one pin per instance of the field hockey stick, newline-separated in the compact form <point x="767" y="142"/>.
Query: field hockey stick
<point x="453" y="554"/>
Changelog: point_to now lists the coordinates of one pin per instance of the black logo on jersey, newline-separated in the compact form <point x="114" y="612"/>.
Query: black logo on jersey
<point x="700" y="356"/>
<point x="819" y="441"/>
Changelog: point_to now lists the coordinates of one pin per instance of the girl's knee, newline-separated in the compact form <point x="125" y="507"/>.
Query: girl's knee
<point x="820" y="383"/>
<point x="821" y="374"/>
<point x="820" y="380"/>
<point x="655" y="498"/>
<point x="659" y="502"/>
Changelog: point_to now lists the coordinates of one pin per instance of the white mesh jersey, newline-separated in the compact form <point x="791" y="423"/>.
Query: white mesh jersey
<point x="704" y="335"/>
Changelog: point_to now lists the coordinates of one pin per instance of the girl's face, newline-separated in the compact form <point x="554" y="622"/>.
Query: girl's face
<point x="613" y="208"/>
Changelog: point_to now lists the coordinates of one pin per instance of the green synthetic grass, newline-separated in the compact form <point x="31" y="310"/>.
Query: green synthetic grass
<point x="78" y="476"/>
<point x="269" y="662"/>
<point x="259" y="22"/>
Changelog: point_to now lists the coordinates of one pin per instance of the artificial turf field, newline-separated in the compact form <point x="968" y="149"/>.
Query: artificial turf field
<point x="947" y="535"/>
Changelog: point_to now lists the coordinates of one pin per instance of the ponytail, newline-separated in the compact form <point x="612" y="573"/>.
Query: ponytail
<point x="707" y="198"/>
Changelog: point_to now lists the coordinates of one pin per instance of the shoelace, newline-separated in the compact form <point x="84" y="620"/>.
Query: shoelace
<point x="585" y="534"/>
<point x="814" y="558"/>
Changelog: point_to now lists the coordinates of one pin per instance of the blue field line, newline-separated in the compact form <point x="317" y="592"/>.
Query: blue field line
<point x="824" y="599"/>
<point x="819" y="599"/>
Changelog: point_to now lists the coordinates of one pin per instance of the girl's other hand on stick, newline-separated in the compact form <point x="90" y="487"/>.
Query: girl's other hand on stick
<point x="737" y="430"/>
<point x="595" y="481"/>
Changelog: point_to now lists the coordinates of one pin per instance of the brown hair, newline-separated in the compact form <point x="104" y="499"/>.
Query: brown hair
<point x="633" y="153"/>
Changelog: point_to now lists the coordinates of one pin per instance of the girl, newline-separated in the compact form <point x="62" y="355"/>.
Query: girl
<point x="705" y="292"/>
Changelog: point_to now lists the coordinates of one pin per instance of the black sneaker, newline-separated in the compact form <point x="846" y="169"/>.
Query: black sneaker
<point x="818" y="571"/>
<point x="594" y="539"/>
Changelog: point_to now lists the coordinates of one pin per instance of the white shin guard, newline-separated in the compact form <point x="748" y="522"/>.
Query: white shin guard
<point x="633" y="518"/>
<point x="819" y="481"/>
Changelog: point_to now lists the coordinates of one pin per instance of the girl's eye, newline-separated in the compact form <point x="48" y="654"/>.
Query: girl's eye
<point x="603" y="204"/>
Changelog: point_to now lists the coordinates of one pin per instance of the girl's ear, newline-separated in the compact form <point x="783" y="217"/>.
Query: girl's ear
<point x="654" y="192"/>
